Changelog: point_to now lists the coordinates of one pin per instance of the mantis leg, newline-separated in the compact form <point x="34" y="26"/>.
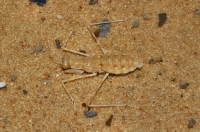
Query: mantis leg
<point x="72" y="79"/>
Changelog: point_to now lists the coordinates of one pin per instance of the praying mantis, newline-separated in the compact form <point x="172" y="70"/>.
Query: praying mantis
<point x="107" y="63"/>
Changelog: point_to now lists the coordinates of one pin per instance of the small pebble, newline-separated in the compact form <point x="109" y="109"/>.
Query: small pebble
<point x="92" y="2"/>
<point x="184" y="86"/>
<point x="39" y="2"/>
<point x="24" y="92"/>
<point x="43" y="19"/>
<point x="181" y="95"/>
<point x="59" y="16"/>
<point x="83" y="51"/>
<point x="173" y="79"/>
<point x="159" y="73"/>
<point x="6" y="120"/>
<point x="139" y="50"/>
<point x="197" y="11"/>
<point x="2" y="85"/>
<point x="156" y="60"/>
<point x="135" y="24"/>
<point x="90" y="113"/>
<point x="144" y="16"/>
<point x="13" y="78"/>
<point x="58" y="43"/>
<point x="191" y="123"/>
<point x="138" y="75"/>
<point x="45" y="82"/>
<point x="151" y="61"/>
<point x="109" y="121"/>
<point x="162" y="19"/>
<point x="39" y="48"/>
<point x="84" y="104"/>
<point x="104" y="28"/>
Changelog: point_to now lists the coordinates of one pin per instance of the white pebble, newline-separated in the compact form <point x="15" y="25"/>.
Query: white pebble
<point x="2" y="84"/>
<point x="59" y="16"/>
<point x="44" y="82"/>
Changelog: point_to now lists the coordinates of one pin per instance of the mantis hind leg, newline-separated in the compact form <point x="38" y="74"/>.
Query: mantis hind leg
<point x="72" y="79"/>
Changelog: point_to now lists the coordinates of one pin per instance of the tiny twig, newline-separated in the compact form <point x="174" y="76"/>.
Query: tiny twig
<point x="98" y="23"/>
<point x="68" y="38"/>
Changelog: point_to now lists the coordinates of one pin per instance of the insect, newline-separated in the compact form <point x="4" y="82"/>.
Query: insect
<point x="117" y="63"/>
<point x="108" y="63"/>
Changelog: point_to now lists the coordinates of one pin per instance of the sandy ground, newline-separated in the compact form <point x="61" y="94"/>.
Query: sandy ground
<point x="160" y="105"/>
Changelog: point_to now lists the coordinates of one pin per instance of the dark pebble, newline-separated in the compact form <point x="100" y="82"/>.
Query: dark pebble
<point x="191" y="123"/>
<point x="24" y="92"/>
<point x="151" y="61"/>
<point x="159" y="73"/>
<point x="138" y="75"/>
<point x="104" y="28"/>
<point x="43" y="19"/>
<point x="39" y="2"/>
<point x="162" y="19"/>
<point x="181" y="95"/>
<point x="92" y="2"/>
<point x="58" y="43"/>
<point x="13" y="78"/>
<point x="84" y="104"/>
<point x="135" y="24"/>
<point x="197" y="11"/>
<point x="6" y="120"/>
<point x="83" y="51"/>
<point x="109" y="121"/>
<point x="139" y="50"/>
<point x="90" y="113"/>
<point x="184" y="86"/>
<point x="39" y="48"/>
<point x="156" y="60"/>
